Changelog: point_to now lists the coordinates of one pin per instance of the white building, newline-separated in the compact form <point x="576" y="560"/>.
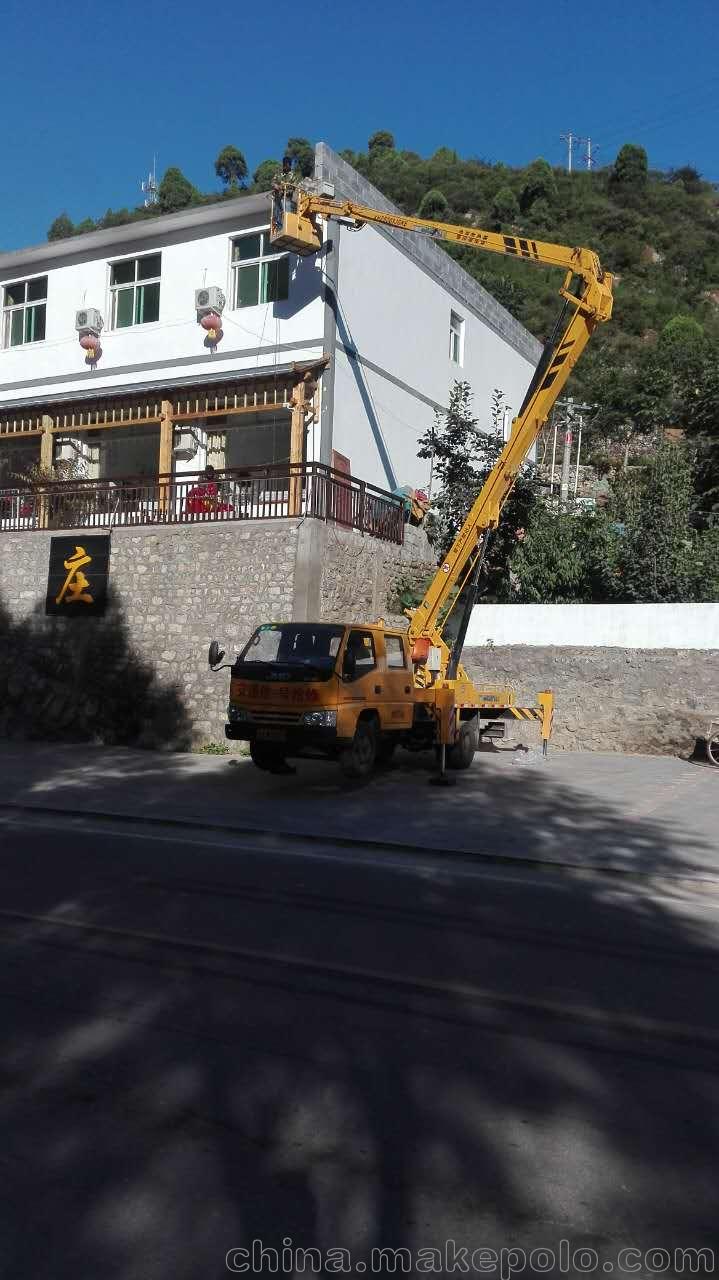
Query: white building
<point x="376" y="328"/>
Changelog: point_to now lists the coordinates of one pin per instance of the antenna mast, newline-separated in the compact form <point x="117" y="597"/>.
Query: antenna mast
<point x="149" y="186"/>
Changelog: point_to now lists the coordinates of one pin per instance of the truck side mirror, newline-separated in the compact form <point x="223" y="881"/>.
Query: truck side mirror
<point x="215" y="654"/>
<point x="349" y="666"/>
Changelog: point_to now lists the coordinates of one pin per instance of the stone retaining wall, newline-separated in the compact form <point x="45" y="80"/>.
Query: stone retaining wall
<point x="139" y="674"/>
<point x="654" y="702"/>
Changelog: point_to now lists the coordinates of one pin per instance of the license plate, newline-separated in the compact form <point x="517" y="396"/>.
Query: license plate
<point x="271" y="735"/>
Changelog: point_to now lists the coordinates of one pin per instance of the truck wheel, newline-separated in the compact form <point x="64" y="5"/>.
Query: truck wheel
<point x="269" y="759"/>
<point x="713" y="749"/>
<point x="358" y="760"/>
<point x="461" y="755"/>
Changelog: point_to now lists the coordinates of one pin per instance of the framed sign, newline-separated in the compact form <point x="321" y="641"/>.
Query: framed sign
<point x="77" y="577"/>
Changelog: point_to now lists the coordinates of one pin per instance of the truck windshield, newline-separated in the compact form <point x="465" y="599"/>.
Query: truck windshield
<point x="305" y="644"/>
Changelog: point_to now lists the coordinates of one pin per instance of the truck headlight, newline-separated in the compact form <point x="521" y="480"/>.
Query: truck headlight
<point x="320" y="719"/>
<point x="237" y="713"/>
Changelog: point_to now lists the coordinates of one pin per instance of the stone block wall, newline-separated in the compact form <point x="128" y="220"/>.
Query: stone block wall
<point x="139" y="674"/>
<point x="360" y="575"/>
<point x="655" y="702"/>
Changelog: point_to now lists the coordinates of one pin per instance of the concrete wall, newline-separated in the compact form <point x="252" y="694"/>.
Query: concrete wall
<point x="624" y="626"/>
<point x="196" y="250"/>
<point x="608" y="699"/>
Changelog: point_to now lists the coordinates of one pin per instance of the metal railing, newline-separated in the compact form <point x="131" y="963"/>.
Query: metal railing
<point x="240" y="493"/>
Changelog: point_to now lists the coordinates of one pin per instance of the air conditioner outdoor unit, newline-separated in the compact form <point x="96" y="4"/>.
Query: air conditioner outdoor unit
<point x="185" y="445"/>
<point x="210" y="298"/>
<point x="71" y="451"/>
<point x="88" y="320"/>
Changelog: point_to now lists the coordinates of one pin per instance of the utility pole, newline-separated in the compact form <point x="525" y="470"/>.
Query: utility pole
<point x="590" y="155"/>
<point x="567" y="455"/>
<point x="554" y="454"/>
<point x="570" y="139"/>
<point x="579" y="450"/>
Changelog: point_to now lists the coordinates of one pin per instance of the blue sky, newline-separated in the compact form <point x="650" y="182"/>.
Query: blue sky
<point x="91" y="90"/>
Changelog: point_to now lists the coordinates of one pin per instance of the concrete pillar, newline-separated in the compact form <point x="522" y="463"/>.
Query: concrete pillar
<point x="309" y="559"/>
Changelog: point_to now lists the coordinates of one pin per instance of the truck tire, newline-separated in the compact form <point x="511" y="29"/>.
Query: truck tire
<point x="358" y="760"/>
<point x="461" y="755"/>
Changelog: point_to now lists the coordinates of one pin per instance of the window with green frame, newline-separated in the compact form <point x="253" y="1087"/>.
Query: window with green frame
<point x="135" y="291"/>
<point x="259" y="275"/>
<point x="24" y="311"/>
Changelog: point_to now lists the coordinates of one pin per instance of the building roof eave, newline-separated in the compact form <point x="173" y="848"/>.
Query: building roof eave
<point x="22" y="261"/>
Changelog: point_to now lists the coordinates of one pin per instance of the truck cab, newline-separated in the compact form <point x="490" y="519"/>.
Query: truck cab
<point x="335" y="690"/>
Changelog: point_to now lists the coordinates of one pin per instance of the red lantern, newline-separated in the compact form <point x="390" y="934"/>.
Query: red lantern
<point x="212" y="324"/>
<point x="90" y="344"/>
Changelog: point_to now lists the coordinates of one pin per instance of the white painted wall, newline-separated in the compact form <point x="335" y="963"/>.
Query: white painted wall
<point x="622" y="626"/>
<point x="56" y="366"/>
<point x="398" y="317"/>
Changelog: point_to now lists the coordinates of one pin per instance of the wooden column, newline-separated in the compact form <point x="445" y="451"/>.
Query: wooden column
<point x="46" y="460"/>
<point x="46" y="442"/>
<point x="165" y="461"/>
<point x="297" y="446"/>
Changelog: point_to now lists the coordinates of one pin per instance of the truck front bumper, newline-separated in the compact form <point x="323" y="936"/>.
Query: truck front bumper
<point x="290" y="740"/>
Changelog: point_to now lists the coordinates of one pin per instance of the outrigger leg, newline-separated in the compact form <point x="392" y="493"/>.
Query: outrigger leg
<point x="442" y="778"/>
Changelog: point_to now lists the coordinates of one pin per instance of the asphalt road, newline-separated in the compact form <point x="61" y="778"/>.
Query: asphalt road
<point x="213" y="1039"/>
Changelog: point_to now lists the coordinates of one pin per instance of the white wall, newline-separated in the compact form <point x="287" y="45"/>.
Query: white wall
<point x="623" y="626"/>
<point x="186" y="265"/>
<point x="398" y="317"/>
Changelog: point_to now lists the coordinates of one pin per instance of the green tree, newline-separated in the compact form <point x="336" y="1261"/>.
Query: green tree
<point x="705" y="566"/>
<point x="303" y="154"/>
<point x="61" y="228"/>
<point x="231" y="168"/>
<point x="462" y="456"/>
<point x="688" y="177"/>
<point x="434" y="205"/>
<point x="564" y="557"/>
<point x="656" y="552"/>
<point x="383" y="140"/>
<point x="264" y="173"/>
<point x="175" y="191"/>
<point x="539" y="184"/>
<point x="629" y="173"/>
<point x="505" y="208"/>
<point x="116" y="218"/>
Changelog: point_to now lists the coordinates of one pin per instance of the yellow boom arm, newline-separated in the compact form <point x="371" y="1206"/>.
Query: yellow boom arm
<point x="295" y="227"/>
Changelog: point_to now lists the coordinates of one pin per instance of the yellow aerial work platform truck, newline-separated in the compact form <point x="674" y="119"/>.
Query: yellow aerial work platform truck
<point x="354" y="692"/>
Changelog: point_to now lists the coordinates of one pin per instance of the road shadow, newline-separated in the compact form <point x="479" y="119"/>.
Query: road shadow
<point x="510" y="804"/>
<point x="81" y="680"/>
<point x="401" y="1072"/>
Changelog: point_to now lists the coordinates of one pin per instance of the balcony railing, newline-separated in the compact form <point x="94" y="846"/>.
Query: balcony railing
<point x="240" y="493"/>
